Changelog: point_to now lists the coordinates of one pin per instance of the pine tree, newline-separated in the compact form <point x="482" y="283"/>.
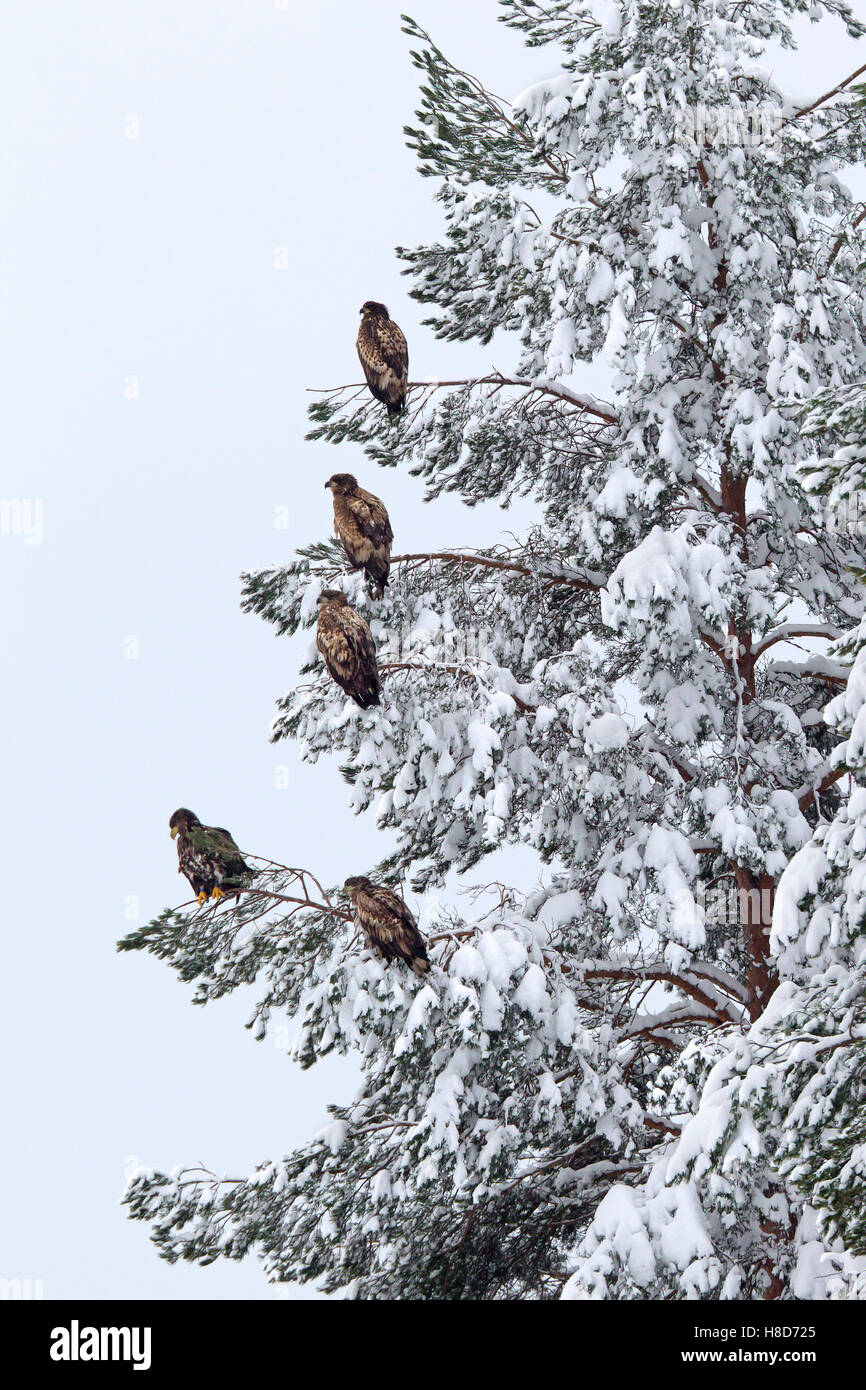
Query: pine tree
<point x="576" y="1099"/>
<point x="806" y="1079"/>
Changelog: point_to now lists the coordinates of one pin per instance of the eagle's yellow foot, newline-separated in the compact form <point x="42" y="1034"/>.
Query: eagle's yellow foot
<point x="217" y="894"/>
<point x="202" y="898"/>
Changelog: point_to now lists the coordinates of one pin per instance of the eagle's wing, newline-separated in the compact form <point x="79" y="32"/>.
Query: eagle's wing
<point x="383" y="348"/>
<point x="194" y="864"/>
<point x="225" y="845"/>
<point x="372" y="518"/>
<point x="394" y="348"/>
<point x="347" y="646"/>
<point x="391" y="902"/>
<point x="362" y="524"/>
<point x="385" y="358"/>
<point x="370" y="352"/>
<point x="362" y="640"/>
<point x="390" y="925"/>
<point x="378" y="918"/>
<point x="219" y="847"/>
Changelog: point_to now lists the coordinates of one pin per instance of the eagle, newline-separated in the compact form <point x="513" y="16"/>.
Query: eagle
<point x="384" y="356"/>
<point x="208" y="857"/>
<point x="361" y="523"/>
<point x="387" y="923"/>
<point x="347" y="645"/>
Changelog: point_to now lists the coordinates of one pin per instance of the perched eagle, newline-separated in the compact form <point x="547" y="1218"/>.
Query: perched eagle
<point x="387" y="923"/>
<point x="361" y="523"/>
<point x="347" y="645"/>
<point x="384" y="356"/>
<point x="208" y="857"/>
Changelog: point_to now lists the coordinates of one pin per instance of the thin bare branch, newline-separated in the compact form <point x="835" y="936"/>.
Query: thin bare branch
<point x="540" y="385"/>
<point x="789" y="630"/>
<point x="590" y="580"/>
<point x="827" y="96"/>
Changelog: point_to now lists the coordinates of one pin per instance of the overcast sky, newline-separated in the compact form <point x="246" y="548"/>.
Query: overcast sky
<point x="156" y="156"/>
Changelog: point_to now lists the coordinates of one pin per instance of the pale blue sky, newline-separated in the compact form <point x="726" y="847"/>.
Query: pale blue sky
<point x="154" y="258"/>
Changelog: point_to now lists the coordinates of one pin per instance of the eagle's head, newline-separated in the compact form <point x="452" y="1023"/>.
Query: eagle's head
<point x="182" y="820"/>
<point x="353" y="885"/>
<point x="331" y="596"/>
<point x="373" y="310"/>
<point x="342" y="483"/>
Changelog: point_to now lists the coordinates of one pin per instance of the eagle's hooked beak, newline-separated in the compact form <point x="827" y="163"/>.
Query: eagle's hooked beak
<point x="174" y="830"/>
<point x="327" y="484"/>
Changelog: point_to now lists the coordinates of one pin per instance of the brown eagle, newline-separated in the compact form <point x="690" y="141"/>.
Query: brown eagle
<point x="362" y="525"/>
<point x="387" y="923"/>
<point x="384" y="356"/>
<point x="208" y="857"/>
<point x="347" y="645"/>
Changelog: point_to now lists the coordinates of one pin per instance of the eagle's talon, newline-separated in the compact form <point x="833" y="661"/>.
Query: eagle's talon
<point x="202" y="898"/>
<point x="217" y="894"/>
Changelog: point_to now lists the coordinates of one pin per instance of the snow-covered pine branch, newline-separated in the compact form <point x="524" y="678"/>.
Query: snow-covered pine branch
<point x="487" y="1095"/>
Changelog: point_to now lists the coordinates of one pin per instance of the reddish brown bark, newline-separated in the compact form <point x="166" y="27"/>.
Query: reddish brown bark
<point x="756" y="896"/>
